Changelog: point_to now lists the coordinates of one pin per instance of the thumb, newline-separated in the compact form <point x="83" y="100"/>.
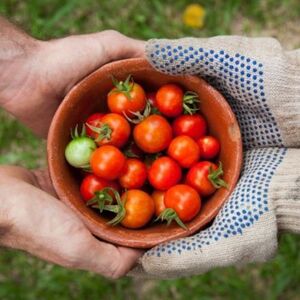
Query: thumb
<point x="90" y="51"/>
<point x="118" y="46"/>
<point x="67" y="60"/>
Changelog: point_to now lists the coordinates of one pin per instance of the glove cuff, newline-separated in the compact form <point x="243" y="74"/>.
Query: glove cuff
<point x="285" y="192"/>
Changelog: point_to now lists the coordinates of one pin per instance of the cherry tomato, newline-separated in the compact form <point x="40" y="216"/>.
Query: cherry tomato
<point x="184" y="150"/>
<point x="184" y="200"/>
<point x="107" y="162"/>
<point x="209" y="147"/>
<point x="91" y="184"/>
<point x="139" y="208"/>
<point x="93" y="120"/>
<point x="192" y="125"/>
<point x="78" y="151"/>
<point x="153" y="134"/>
<point x="134" y="174"/>
<point x="169" y="100"/>
<point x="114" y="130"/>
<point x="127" y="97"/>
<point x="158" y="198"/>
<point x="198" y="177"/>
<point x="164" y="173"/>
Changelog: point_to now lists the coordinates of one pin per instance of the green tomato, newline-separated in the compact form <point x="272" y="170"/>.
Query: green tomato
<point x="79" y="151"/>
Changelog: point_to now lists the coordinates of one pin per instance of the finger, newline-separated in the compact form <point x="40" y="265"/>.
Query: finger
<point x="122" y="46"/>
<point x="44" y="182"/>
<point x="92" y="51"/>
<point x="38" y="178"/>
<point x="107" y="259"/>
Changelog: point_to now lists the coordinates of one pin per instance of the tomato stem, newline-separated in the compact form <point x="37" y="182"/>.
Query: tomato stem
<point x="169" y="214"/>
<point x="138" y="116"/>
<point x="75" y="134"/>
<point x="119" y="209"/>
<point x="101" y="199"/>
<point x="104" y="131"/>
<point x="112" y="208"/>
<point x="190" y="103"/>
<point x="214" y="177"/>
<point x="123" y="87"/>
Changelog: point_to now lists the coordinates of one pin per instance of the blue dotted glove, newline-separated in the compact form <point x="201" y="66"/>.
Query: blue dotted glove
<point x="262" y="84"/>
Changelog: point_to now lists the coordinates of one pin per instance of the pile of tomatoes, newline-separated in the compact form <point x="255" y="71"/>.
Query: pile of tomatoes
<point x="150" y="155"/>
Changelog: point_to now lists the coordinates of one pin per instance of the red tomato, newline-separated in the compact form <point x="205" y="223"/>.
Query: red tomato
<point x="198" y="178"/>
<point x="158" y="198"/>
<point x="114" y="130"/>
<point x="134" y="174"/>
<point x="91" y="184"/>
<point x="139" y="208"/>
<point x="184" y="150"/>
<point x="192" y="125"/>
<point x="209" y="147"/>
<point x="108" y="162"/>
<point x="184" y="200"/>
<point x="93" y="120"/>
<point x="169" y="100"/>
<point x="126" y="97"/>
<point x="153" y="134"/>
<point x="164" y="173"/>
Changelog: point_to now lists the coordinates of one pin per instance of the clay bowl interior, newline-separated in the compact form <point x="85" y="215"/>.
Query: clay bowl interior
<point x="89" y="96"/>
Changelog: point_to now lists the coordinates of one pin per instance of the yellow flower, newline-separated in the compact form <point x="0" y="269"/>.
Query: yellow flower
<point x="193" y="15"/>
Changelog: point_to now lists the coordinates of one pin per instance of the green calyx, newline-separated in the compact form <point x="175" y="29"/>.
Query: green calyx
<point x="214" y="177"/>
<point x="103" y="201"/>
<point x="138" y="116"/>
<point x="76" y="134"/>
<point x="191" y="103"/>
<point x="169" y="214"/>
<point x="124" y="87"/>
<point x="118" y="209"/>
<point x="104" y="132"/>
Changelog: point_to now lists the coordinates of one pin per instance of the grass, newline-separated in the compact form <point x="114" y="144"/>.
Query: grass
<point x="26" y="278"/>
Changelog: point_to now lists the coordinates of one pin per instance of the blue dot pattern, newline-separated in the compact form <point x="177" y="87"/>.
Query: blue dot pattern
<point x="239" y="78"/>
<point x="247" y="204"/>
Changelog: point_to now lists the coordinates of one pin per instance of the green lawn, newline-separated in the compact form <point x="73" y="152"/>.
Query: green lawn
<point x="23" y="277"/>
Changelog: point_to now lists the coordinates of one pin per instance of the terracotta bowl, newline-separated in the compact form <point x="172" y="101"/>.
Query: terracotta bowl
<point x="89" y="96"/>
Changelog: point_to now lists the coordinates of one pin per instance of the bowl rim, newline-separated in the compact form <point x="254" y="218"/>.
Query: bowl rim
<point x="89" y="222"/>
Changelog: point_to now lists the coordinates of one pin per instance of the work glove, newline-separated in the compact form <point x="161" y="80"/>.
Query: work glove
<point x="261" y="82"/>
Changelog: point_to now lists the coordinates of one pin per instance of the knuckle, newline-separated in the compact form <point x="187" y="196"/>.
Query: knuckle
<point x="111" y="33"/>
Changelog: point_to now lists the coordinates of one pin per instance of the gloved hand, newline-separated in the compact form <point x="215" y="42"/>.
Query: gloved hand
<point x="261" y="82"/>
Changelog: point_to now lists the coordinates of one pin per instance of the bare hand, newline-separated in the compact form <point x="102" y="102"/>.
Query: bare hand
<point x="36" y="79"/>
<point x="36" y="222"/>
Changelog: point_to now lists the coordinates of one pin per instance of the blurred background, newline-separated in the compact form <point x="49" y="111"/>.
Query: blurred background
<point x="24" y="277"/>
